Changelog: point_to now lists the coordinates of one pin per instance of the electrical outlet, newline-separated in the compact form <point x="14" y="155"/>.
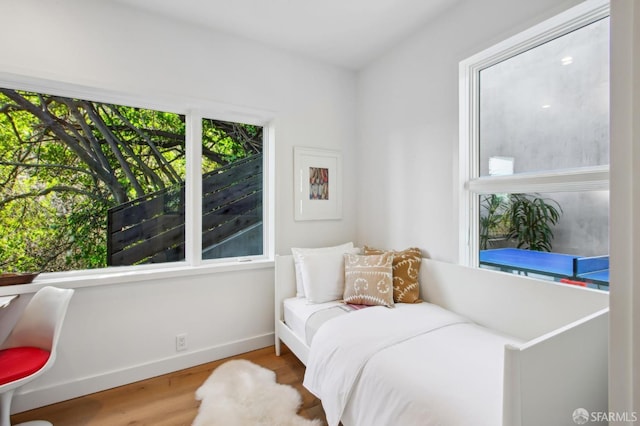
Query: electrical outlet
<point x="181" y="342"/>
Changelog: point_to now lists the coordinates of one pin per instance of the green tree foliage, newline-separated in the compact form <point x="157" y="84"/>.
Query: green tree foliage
<point x="64" y="162"/>
<point x="494" y="222"/>
<point x="220" y="142"/>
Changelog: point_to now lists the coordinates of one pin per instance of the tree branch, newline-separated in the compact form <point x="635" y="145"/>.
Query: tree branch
<point x="50" y="122"/>
<point x="45" y="191"/>
<point x="165" y="166"/>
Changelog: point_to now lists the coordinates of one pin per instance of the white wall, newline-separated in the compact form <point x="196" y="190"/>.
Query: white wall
<point x="408" y="125"/>
<point x="122" y="332"/>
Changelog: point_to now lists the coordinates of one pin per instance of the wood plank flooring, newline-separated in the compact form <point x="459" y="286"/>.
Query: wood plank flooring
<point x="167" y="400"/>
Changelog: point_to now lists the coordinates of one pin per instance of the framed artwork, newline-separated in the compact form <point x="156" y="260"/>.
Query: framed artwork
<point x="317" y="184"/>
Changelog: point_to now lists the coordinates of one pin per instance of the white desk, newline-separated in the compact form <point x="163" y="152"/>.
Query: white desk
<point x="6" y="300"/>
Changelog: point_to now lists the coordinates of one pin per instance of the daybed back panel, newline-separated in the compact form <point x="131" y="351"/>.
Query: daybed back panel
<point x="516" y="305"/>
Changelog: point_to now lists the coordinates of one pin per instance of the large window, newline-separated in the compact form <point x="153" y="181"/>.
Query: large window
<point x="535" y="149"/>
<point x="88" y="185"/>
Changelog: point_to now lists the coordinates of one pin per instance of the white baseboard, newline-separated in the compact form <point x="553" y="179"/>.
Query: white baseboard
<point x="39" y="397"/>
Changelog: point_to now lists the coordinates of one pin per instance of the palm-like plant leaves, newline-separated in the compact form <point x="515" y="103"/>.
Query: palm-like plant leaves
<point x="531" y="220"/>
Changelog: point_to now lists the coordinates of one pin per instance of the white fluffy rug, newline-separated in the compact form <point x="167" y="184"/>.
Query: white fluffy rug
<point x="241" y="393"/>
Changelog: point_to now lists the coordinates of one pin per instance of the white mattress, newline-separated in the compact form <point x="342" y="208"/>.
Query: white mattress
<point x="297" y="311"/>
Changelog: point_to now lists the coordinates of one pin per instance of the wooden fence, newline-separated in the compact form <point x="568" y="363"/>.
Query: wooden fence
<point x="151" y="229"/>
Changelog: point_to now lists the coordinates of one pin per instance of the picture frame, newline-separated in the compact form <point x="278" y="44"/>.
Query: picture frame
<point x="317" y="184"/>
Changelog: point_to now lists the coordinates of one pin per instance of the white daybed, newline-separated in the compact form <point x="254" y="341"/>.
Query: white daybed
<point x="551" y="355"/>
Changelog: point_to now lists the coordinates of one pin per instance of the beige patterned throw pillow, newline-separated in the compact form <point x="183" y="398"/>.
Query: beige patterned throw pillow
<point x="368" y="279"/>
<point x="406" y="271"/>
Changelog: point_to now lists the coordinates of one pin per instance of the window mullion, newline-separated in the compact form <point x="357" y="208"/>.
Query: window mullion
<point x="193" y="189"/>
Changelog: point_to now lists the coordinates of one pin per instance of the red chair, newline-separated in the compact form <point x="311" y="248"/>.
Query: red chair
<point x="30" y="348"/>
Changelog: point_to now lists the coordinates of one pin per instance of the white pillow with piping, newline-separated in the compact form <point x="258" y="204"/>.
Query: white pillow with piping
<point x="297" y="252"/>
<point x="323" y="276"/>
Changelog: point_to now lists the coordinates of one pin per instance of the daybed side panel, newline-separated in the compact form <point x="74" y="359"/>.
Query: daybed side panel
<point x="293" y="342"/>
<point x="516" y="305"/>
<point x="511" y="391"/>
<point x="285" y="276"/>
<point x="549" y="378"/>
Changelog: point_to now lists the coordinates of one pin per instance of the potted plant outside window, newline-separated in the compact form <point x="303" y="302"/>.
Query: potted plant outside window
<point x="525" y="219"/>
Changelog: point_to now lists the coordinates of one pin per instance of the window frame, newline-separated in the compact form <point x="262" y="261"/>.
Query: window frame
<point x="470" y="184"/>
<point x="194" y="109"/>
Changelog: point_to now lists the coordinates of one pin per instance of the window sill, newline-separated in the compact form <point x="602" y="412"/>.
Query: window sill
<point x="109" y="277"/>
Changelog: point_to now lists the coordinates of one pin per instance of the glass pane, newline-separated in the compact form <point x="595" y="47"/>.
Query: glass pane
<point x="518" y="230"/>
<point x="88" y="184"/>
<point x="231" y="189"/>
<point x="548" y="108"/>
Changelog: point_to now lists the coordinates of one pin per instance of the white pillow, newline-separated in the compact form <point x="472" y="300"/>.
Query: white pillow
<point x="297" y="252"/>
<point x="322" y="276"/>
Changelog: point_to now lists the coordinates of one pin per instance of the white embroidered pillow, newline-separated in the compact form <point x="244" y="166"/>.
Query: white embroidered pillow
<point x="369" y="279"/>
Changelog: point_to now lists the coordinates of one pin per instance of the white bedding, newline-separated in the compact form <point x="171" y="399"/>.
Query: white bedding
<point x="414" y="364"/>
<point x="297" y="311"/>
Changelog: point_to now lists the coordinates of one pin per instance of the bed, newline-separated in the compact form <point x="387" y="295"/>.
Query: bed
<point x="485" y="348"/>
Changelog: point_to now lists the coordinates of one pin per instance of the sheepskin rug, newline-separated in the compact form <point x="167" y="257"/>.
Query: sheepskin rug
<point x="241" y="393"/>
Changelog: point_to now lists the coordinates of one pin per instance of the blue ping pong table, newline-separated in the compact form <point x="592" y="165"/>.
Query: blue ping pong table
<point x="592" y="270"/>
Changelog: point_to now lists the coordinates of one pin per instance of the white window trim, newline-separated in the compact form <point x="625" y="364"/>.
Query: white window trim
<point x="195" y="109"/>
<point x="469" y="183"/>
<point x="580" y="179"/>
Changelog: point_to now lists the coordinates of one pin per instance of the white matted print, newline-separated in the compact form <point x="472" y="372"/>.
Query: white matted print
<point x="317" y="185"/>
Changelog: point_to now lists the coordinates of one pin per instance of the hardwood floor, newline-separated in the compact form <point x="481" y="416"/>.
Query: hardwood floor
<point x="167" y="400"/>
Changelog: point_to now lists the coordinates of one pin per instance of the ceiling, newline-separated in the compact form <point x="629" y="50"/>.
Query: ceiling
<point x="348" y="33"/>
